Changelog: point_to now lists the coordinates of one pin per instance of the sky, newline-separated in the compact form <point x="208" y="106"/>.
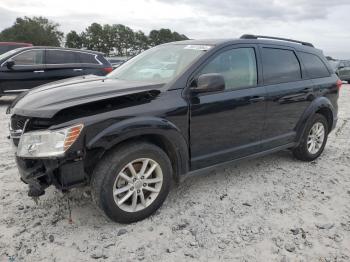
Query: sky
<point x="325" y="23"/>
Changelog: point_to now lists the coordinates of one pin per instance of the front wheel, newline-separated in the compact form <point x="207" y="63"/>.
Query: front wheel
<point x="313" y="140"/>
<point x="132" y="182"/>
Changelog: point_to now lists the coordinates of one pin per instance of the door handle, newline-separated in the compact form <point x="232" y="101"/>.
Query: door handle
<point x="39" y="71"/>
<point x="77" y="69"/>
<point x="256" y="99"/>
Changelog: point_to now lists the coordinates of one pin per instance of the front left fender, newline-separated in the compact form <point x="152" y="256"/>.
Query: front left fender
<point x="143" y="126"/>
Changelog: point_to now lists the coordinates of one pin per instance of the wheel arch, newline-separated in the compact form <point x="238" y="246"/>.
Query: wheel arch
<point x="159" y="132"/>
<point x="319" y="106"/>
<point x="328" y="114"/>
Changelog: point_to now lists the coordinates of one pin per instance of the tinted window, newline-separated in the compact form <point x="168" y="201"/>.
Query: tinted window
<point x="238" y="67"/>
<point x="33" y="57"/>
<point x="314" y="66"/>
<point x="280" y="66"/>
<point x="87" y="58"/>
<point x="60" y="57"/>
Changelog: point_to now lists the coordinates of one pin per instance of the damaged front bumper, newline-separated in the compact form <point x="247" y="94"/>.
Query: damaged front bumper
<point x="41" y="173"/>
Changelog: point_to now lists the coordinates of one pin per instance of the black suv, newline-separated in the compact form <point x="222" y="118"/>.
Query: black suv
<point x="130" y="134"/>
<point x="24" y="68"/>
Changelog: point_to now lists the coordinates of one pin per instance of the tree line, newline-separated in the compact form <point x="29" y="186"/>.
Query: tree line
<point x="115" y="39"/>
<point x="119" y="39"/>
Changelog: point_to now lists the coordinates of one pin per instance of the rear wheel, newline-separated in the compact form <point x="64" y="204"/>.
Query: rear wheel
<point x="314" y="139"/>
<point x="132" y="182"/>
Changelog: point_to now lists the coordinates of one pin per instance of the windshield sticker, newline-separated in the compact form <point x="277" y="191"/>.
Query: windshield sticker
<point x="198" y="47"/>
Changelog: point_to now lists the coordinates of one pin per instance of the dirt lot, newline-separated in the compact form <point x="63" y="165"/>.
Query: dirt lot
<point x="270" y="209"/>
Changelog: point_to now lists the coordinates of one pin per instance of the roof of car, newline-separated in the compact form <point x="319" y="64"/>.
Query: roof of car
<point x="60" y="48"/>
<point x="215" y="42"/>
<point x="15" y="43"/>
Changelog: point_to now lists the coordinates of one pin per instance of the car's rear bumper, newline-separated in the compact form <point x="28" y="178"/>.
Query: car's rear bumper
<point x="41" y="173"/>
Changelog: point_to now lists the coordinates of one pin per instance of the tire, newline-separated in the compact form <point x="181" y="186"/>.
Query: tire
<point x="302" y="152"/>
<point x="110" y="172"/>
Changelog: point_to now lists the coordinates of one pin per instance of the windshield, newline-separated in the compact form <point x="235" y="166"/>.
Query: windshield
<point x="160" y="64"/>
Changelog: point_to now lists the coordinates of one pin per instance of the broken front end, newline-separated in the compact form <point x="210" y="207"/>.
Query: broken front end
<point x="47" y="156"/>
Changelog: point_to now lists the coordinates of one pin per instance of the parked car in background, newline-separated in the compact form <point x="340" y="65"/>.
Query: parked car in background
<point x="116" y="61"/>
<point x="7" y="46"/>
<point x="24" y="68"/>
<point x="342" y="68"/>
<point x="128" y="136"/>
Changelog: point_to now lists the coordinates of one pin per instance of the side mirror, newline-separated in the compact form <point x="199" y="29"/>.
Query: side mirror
<point x="9" y="64"/>
<point x="341" y="67"/>
<point x="210" y="83"/>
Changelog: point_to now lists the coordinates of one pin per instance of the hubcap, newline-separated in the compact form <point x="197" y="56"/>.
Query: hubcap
<point x="315" y="138"/>
<point x="137" y="185"/>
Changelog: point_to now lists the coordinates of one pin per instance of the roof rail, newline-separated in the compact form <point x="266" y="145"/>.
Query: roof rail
<point x="275" y="38"/>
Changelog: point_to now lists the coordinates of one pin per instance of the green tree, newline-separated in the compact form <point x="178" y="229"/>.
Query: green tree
<point x="140" y="43"/>
<point x="118" y="39"/>
<point x="123" y="39"/>
<point x="154" y="38"/>
<point x="178" y="37"/>
<point x="74" y="40"/>
<point x="35" y="30"/>
<point x="157" y="37"/>
<point x="94" y="38"/>
<point x="128" y="40"/>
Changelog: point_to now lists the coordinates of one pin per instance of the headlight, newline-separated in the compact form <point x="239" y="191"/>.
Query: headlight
<point x="48" y="143"/>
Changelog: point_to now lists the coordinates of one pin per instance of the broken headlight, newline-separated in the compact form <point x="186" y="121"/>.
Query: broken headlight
<point x="48" y="143"/>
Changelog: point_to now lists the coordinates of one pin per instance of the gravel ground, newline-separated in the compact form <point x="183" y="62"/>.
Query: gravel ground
<point x="273" y="208"/>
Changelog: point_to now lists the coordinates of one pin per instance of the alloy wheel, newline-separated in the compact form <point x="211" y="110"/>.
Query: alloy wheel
<point x="315" y="138"/>
<point x="137" y="185"/>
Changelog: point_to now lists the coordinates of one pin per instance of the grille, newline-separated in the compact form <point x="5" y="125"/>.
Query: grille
<point x="17" y="122"/>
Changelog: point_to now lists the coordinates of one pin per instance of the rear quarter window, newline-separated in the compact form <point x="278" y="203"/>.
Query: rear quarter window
<point x="314" y="66"/>
<point x="103" y="60"/>
<point x="86" y="58"/>
<point x="280" y="66"/>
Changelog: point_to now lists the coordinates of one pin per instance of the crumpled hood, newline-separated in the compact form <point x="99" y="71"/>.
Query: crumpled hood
<point x="46" y="100"/>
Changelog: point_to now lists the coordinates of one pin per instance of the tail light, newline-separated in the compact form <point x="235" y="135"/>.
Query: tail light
<point x="339" y="84"/>
<point x="107" y="69"/>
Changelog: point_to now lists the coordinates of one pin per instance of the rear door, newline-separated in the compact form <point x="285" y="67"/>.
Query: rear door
<point x="317" y="70"/>
<point x="62" y="64"/>
<point x="28" y="72"/>
<point x="289" y="94"/>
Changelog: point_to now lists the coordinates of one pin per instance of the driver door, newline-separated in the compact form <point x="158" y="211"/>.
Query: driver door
<point x="227" y="125"/>
<point x="27" y="72"/>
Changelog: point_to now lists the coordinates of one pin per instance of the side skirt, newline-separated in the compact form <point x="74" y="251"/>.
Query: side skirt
<point x="227" y="163"/>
